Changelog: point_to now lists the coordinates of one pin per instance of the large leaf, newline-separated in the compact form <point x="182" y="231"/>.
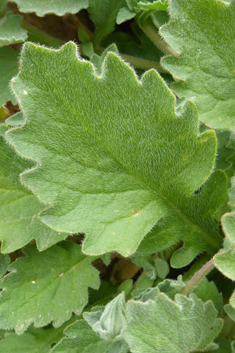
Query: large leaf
<point x="114" y="156"/>
<point x="19" y="208"/>
<point x="163" y="326"/>
<point x="46" y="286"/>
<point x="202" y="32"/>
<point x="8" y="69"/>
<point x="10" y="30"/>
<point x="103" y="14"/>
<point x="58" y="7"/>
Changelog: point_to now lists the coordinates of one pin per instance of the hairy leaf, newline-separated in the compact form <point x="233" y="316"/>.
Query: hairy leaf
<point x="113" y="158"/>
<point x="47" y="286"/>
<point x="8" y="69"/>
<point x="202" y="32"/>
<point x="164" y="326"/>
<point x="82" y="339"/>
<point x="19" y="208"/>
<point x="58" y="7"/>
<point x="10" y="30"/>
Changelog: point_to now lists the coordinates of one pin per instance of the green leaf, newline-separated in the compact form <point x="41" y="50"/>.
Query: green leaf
<point x="200" y="209"/>
<point x="53" y="284"/>
<point x="58" y="7"/>
<point x="181" y="326"/>
<point x="82" y="339"/>
<point x="202" y="32"/>
<point x="3" y="5"/>
<point x="103" y="14"/>
<point x="112" y="319"/>
<point x="10" y="30"/>
<point x="32" y="341"/>
<point x="19" y="208"/>
<point x="127" y="157"/>
<point x="124" y="15"/>
<point x="8" y="69"/>
<point x="4" y="263"/>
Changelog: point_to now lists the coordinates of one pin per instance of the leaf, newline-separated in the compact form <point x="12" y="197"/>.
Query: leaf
<point x="112" y="319"/>
<point x="19" y="207"/>
<point x="180" y="326"/>
<point x="202" y="32"/>
<point x="103" y="14"/>
<point x="10" y="30"/>
<point x="47" y="286"/>
<point x="58" y="7"/>
<point x="32" y="341"/>
<point x="8" y="69"/>
<point x="4" y="263"/>
<point x="120" y="175"/>
<point x="82" y="339"/>
<point x="200" y="209"/>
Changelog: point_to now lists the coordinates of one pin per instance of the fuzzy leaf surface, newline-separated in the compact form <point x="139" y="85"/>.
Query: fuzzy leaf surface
<point x="8" y="69"/>
<point x="202" y="32"/>
<point x="82" y="339"/>
<point x="10" y="30"/>
<point x="46" y="286"/>
<point x="19" y="208"/>
<point x="120" y="175"/>
<point x="162" y="325"/>
<point x="58" y="7"/>
<point x="200" y="208"/>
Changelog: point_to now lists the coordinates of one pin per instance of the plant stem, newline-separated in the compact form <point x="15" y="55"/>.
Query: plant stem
<point x="137" y="62"/>
<point x="151" y="32"/>
<point x="42" y="37"/>
<point x="198" y="276"/>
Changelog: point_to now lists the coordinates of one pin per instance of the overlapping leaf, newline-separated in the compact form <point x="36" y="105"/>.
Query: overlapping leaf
<point x="58" y="7"/>
<point x="82" y="339"/>
<point x="225" y="259"/>
<point x="47" y="286"/>
<point x="10" y="30"/>
<point x="199" y="209"/>
<point x="19" y="208"/>
<point x="114" y="156"/>
<point x="162" y="325"/>
<point x="103" y="14"/>
<point x="32" y="341"/>
<point x="8" y="69"/>
<point x="202" y="32"/>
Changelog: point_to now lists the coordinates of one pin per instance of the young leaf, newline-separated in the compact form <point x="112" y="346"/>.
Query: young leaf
<point x="19" y="208"/>
<point x="8" y="69"/>
<point x="53" y="284"/>
<point x="114" y="156"/>
<point x="58" y="7"/>
<point x="10" y="30"/>
<point x="82" y="339"/>
<point x="103" y="14"/>
<point x="202" y="32"/>
<point x="162" y="326"/>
